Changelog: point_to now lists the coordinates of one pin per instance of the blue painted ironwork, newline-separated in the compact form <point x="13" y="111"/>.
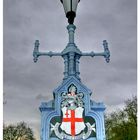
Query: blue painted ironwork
<point x="52" y="109"/>
<point x="71" y="54"/>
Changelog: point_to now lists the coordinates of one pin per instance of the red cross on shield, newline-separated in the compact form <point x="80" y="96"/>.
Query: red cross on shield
<point x="72" y="122"/>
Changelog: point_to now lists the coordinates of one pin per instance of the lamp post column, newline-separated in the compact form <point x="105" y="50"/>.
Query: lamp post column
<point x="71" y="64"/>
<point x="66" y="66"/>
<point x="71" y="29"/>
<point x="77" y="66"/>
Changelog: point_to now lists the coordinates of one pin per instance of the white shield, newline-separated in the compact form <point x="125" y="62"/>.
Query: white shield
<point x="72" y="122"/>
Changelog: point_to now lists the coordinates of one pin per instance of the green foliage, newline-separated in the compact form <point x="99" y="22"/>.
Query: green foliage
<point x="122" y="125"/>
<point x="18" y="132"/>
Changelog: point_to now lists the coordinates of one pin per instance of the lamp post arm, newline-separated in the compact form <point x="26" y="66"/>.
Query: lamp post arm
<point x="92" y="54"/>
<point x="106" y="52"/>
<point x="50" y="53"/>
<point x="36" y="52"/>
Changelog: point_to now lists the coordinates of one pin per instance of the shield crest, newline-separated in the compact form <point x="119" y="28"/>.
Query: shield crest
<point x="72" y="121"/>
<point x="72" y="125"/>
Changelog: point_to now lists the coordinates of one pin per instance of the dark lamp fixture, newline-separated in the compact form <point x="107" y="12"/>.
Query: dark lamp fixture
<point x="70" y="7"/>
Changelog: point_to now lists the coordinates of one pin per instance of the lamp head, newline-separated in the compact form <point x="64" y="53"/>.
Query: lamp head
<point x="70" y="7"/>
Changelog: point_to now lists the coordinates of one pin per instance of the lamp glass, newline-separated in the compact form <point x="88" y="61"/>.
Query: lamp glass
<point x="70" y="5"/>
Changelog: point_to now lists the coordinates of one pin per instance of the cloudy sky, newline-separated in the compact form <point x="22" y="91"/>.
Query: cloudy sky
<point x="27" y="84"/>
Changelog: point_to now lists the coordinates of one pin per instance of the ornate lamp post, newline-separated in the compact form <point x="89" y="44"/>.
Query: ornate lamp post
<point x="72" y="97"/>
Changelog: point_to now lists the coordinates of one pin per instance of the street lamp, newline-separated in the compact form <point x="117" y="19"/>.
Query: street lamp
<point x="85" y="107"/>
<point x="70" y="7"/>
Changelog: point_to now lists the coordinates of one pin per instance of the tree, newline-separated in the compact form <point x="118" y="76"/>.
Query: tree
<point x="122" y="124"/>
<point x="18" y="132"/>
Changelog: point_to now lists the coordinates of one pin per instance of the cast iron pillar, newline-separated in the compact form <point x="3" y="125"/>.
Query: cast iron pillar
<point x="72" y="114"/>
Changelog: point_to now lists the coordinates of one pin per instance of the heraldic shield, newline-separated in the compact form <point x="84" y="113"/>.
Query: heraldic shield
<point x="73" y="124"/>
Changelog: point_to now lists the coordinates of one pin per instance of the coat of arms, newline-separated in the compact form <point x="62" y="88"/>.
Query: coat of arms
<point x="72" y="125"/>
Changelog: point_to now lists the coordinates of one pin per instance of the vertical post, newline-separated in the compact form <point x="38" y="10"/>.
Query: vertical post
<point x="77" y="66"/>
<point x="36" y="50"/>
<point x="71" y="63"/>
<point x="66" y="66"/>
<point x="71" y="29"/>
<point x="106" y="50"/>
